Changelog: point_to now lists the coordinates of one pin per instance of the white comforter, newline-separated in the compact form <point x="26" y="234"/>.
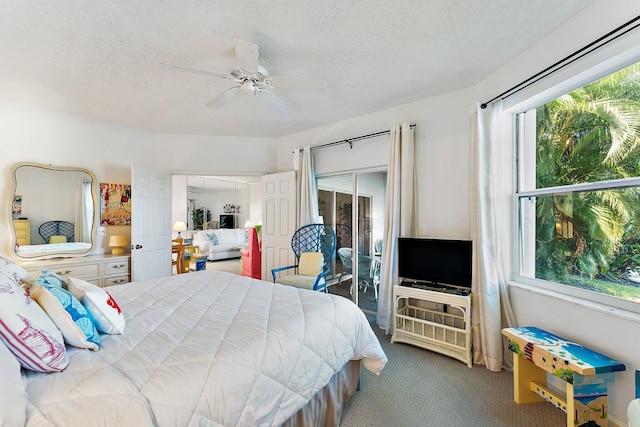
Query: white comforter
<point x="206" y="349"/>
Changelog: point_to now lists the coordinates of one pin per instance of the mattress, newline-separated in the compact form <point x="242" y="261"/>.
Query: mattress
<point x="207" y="348"/>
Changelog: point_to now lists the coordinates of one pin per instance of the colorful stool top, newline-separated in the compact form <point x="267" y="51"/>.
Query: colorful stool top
<point x="558" y="355"/>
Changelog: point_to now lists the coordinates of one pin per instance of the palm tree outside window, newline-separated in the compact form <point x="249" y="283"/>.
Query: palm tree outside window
<point x="579" y="188"/>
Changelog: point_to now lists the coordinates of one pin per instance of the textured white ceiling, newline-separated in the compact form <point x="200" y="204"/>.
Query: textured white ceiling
<point x="102" y="58"/>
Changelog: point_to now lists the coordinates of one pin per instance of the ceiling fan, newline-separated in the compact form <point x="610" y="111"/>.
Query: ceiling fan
<point x="252" y="78"/>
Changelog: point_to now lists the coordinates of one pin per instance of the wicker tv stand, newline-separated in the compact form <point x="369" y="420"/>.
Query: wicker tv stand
<point x="433" y="320"/>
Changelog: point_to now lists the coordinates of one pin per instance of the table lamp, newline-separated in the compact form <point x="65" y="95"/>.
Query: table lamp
<point x="118" y="243"/>
<point x="179" y="226"/>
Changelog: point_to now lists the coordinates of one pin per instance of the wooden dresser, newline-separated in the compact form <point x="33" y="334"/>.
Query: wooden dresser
<point x="101" y="270"/>
<point x="23" y="231"/>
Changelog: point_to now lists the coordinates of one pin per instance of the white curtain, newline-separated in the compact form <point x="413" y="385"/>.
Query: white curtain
<point x="84" y="213"/>
<point x="400" y="215"/>
<point x="493" y="150"/>
<point x="307" y="189"/>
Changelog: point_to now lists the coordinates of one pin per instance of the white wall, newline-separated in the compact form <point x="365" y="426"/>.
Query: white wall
<point x="33" y="134"/>
<point x="179" y="201"/>
<point x="442" y="139"/>
<point x="214" y="155"/>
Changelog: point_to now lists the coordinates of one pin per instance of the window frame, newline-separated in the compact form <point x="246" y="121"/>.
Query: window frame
<point x="525" y="148"/>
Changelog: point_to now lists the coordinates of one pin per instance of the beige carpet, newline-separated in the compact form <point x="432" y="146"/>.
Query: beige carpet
<point x="422" y="388"/>
<point x="233" y="265"/>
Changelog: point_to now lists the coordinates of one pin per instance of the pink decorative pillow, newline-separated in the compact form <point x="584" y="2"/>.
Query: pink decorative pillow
<point x="27" y="331"/>
<point x="104" y="310"/>
<point x="12" y="269"/>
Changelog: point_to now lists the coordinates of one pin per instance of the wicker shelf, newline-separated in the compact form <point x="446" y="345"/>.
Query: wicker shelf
<point x="432" y="320"/>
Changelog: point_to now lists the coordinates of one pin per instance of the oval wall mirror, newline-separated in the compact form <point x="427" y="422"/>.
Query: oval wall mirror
<point x="54" y="211"/>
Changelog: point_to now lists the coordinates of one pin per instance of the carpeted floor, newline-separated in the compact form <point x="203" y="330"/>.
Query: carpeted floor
<point x="422" y="388"/>
<point x="233" y="265"/>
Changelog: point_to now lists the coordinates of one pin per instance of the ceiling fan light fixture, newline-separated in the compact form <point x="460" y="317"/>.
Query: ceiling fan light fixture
<point x="250" y="77"/>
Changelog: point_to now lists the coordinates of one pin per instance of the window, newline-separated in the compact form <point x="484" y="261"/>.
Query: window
<point x="578" y="194"/>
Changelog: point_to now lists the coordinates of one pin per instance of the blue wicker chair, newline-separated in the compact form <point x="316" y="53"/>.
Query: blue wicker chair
<point x="313" y="246"/>
<point x="56" y="228"/>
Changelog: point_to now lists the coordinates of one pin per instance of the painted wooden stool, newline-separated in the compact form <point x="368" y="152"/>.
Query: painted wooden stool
<point x="585" y="372"/>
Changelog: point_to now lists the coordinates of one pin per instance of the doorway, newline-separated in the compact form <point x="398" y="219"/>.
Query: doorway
<point x="361" y="228"/>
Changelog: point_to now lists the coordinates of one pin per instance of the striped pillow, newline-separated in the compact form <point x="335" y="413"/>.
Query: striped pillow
<point x="27" y="331"/>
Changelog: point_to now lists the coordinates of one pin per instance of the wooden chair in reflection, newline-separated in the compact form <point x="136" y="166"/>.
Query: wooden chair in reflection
<point x="177" y="255"/>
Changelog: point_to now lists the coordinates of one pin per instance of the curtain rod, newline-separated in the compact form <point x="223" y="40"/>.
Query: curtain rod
<point x="569" y="59"/>
<point x="351" y="140"/>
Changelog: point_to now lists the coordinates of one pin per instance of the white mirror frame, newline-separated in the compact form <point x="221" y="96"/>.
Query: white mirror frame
<point x="52" y="254"/>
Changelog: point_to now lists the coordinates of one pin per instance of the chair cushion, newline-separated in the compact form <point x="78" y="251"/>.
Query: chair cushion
<point x="310" y="264"/>
<point x="298" y="281"/>
<point x="57" y="239"/>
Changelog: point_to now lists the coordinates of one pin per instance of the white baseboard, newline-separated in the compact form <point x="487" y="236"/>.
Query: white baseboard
<point x="613" y="422"/>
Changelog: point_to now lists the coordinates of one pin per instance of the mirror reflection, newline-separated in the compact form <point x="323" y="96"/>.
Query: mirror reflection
<point x="53" y="211"/>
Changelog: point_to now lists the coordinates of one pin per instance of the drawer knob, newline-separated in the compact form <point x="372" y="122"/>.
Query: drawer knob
<point x="63" y="273"/>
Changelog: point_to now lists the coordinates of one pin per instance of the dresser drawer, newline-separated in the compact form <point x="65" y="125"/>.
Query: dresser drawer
<point x="115" y="280"/>
<point x="79" y="271"/>
<point x="101" y="270"/>
<point x="120" y="267"/>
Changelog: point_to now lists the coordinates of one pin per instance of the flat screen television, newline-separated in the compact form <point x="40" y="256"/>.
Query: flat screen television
<point x="435" y="261"/>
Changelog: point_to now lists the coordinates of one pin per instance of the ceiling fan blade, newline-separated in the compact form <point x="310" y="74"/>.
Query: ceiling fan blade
<point x="223" y="98"/>
<point x="247" y="55"/>
<point x="195" y="71"/>
<point x="275" y="103"/>
<point x="301" y="85"/>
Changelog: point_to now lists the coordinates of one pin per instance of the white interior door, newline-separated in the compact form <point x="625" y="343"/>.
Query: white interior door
<point x="150" y="224"/>
<point x="278" y="221"/>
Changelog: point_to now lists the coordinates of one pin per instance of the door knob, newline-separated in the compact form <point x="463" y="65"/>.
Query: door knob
<point x="137" y="247"/>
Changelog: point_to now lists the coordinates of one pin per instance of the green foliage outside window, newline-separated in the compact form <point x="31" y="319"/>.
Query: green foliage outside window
<point x="590" y="238"/>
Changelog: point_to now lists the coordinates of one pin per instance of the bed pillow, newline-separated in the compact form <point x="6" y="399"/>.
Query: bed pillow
<point x="13" y="404"/>
<point x="47" y="278"/>
<point x="69" y="316"/>
<point x="104" y="310"/>
<point x="12" y="269"/>
<point x="27" y="331"/>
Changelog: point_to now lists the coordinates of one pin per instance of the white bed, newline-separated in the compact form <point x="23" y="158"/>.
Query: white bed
<point x="210" y="348"/>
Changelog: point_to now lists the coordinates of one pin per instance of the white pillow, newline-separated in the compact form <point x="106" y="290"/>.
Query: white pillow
<point x="69" y="316"/>
<point x="27" y="331"/>
<point x="12" y="389"/>
<point x="104" y="310"/>
<point x="12" y="269"/>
